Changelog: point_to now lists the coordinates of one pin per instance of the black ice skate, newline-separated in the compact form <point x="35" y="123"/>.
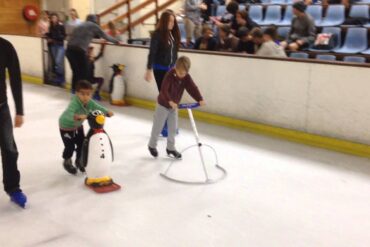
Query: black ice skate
<point x="67" y="164"/>
<point x="173" y="154"/>
<point x="153" y="152"/>
<point x="79" y="165"/>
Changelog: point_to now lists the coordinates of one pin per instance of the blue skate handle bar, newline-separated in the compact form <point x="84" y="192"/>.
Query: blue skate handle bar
<point x="188" y="106"/>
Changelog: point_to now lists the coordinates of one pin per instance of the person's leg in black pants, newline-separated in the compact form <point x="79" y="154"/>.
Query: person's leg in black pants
<point x="68" y="138"/>
<point x="69" y="143"/>
<point x="159" y="76"/>
<point x="79" y="65"/>
<point x="9" y="152"/>
<point x="79" y="140"/>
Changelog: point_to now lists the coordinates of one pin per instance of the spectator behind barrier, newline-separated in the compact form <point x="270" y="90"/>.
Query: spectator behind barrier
<point x="243" y="20"/>
<point x="193" y="20"/>
<point x="246" y="44"/>
<point x="43" y="24"/>
<point x="113" y="32"/>
<point x="226" y="41"/>
<point x="266" y="42"/>
<point x="229" y="18"/>
<point x="207" y="41"/>
<point x="55" y="37"/>
<point x="72" y="22"/>
<point x="303" y="31"/>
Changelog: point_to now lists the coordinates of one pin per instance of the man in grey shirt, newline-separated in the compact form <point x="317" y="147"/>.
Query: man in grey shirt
<point x="78" y="44"/>
<point x="303" y="31"/>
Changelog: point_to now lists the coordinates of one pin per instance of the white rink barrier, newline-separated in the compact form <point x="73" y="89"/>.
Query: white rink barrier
<point x="319" y="98"/>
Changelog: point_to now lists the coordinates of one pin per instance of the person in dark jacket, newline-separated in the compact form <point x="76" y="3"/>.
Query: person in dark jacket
<point x="226" y="41"/>
<point x="9" y="153"/>
<point x="207" y="42"/>
<point x="55" y="37"/>
<point x="78" y="44"/>
<point x="164" y="45"/>
<point x="246" y="44"/>
<point x="243" y="20"/>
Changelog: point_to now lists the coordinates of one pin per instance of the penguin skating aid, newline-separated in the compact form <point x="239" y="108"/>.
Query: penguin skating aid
<point x="98" y="155"/>
<point x="117" y="86"/>
<point x="200" y="146"/>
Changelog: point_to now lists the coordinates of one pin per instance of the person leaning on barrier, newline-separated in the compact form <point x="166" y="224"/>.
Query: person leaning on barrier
<point x="78" y="45"/>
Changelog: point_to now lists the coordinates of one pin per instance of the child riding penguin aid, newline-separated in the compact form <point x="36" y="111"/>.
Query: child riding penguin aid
<point x="97" y="155"/>
<point x="117" y="85"/>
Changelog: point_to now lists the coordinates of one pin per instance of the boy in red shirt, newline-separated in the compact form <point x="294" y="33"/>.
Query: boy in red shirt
<point x="173" y="86"/>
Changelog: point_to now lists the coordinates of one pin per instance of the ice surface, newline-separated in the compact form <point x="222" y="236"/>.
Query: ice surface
<point x="276" y="194"/>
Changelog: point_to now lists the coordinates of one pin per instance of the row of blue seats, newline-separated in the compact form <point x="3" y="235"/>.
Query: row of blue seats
<point x="326" y="57"/>
<point x="289" y="2"/>
<point x="356" y="40"/>
<point x="335" y="15"/>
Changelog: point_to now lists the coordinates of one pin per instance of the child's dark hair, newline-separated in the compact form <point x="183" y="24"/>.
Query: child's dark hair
<point x="256" y="33"/>
<point x="83" y="84"/>
<point x="232" y="7"/>
<point x="271" y="31"/>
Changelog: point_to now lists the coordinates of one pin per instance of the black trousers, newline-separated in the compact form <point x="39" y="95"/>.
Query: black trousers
<point x="159" y="76"/>
<point x="9" y="152"/>
<point x="73" y="140"/>
<point x="78" y="60"/>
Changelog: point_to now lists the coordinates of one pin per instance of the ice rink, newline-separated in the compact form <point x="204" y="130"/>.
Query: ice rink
<point x="276" y="194"/>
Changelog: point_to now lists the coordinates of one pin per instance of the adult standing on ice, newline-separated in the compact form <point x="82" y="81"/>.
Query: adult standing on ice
<point x="164" y="46"/>
<point x="9" y="153"/>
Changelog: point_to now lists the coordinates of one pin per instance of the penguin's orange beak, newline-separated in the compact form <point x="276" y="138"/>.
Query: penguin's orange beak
<point x="100" y="119"/>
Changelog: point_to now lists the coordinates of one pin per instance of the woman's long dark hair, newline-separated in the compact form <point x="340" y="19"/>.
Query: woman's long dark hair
<point x="162" y="28"/>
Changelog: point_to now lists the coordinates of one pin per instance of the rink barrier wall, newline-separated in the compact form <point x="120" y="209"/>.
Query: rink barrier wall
<point x="272" y="131"/>
<point x="307" y="97"/>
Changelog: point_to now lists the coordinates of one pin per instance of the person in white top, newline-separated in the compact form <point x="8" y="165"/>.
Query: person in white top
<point x="266" y="41"/>
<point x="43" y="24"/>
<point x="72" y="23"/>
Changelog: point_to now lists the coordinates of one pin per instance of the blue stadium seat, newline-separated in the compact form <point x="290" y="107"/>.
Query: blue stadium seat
<point x="265" y="1"/>
<point x="182" y="31"/>
<point x="288" y="15"/>
<point x="354" y="59"/>
<point x="315" y="11"/>
<point x="273" y="15"/>
<point x="302" y="55"/>
<point x="359" y="11"/>
<point x="355" y="42"/>
<point x="335" y="16"/>
<point x="280" y="2"/>
<point x="283" y="32"/>
<point x="367" y="52"/>
<point x="326" y="57"/>
<point x="337" y="32"/>
<point x="364" y="1"/>
<point x="255" y="13"/>
<point x="221" y="10"/>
